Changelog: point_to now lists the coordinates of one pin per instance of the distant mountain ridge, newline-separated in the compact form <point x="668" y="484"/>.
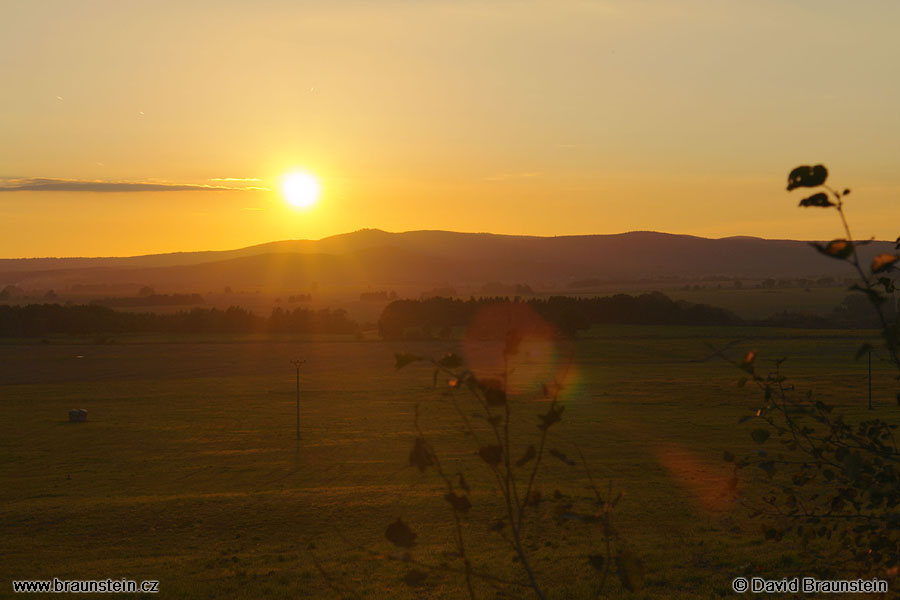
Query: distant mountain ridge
<point x="375" y="257"/>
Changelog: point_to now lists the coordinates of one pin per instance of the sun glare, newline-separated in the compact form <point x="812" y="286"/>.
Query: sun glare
<point x="300" y="189"/>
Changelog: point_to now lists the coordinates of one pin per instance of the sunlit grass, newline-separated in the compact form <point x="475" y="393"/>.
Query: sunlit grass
<point x="187" y="470"/>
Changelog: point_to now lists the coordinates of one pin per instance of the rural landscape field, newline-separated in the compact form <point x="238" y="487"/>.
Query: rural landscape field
<point x="189" y="471"/>
<point x="484" y="299"/>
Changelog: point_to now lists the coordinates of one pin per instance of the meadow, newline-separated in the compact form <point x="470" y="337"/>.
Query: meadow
<point x="188" y="470"/>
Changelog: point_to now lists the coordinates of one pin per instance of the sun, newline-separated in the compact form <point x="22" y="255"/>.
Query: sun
<point x="300" y="189"/>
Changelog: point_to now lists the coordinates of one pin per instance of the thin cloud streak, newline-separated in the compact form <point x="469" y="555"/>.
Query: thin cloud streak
<point x="79" y="185"/>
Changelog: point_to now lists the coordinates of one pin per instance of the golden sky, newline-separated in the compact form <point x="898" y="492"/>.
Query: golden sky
<point x="544" y="117"/>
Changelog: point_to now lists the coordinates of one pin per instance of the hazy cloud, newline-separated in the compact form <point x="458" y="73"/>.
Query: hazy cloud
<point x="80" y="185"/>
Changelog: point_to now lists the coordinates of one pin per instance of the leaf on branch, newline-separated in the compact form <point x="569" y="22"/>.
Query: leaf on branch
<point x="839" y="249"/>
<point x="883" y="262"/>
<point x="450" y="361"/>
<point x="399" y="534"/>
<point x="551" y="389"/>
<point x="630" y="570"/>
<point x="852" y="465"/>
<point x="493" y="391"/>
<point x="888" y="284"/>
<point x="821" y="199"/>
<point x="554" y="415"/>
<point x="837" y="503"/>
<point x="559" y="455"/>
<point x="529" y="455"/>
<point x="759" y="435"/>
<point x="492" y="455"/>
<point x="415" y="578"/>
<point x="404" y="358"/>
<point x="845" y="192"/>
<point x="459" y="503"/>
<point x="806" y="176"/>
<point x="747" y="362"/>
<point x="421" y="456"/>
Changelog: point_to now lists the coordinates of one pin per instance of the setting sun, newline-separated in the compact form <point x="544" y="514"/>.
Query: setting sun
<point x="300" y="189"/>
<point x="289" y="290"/>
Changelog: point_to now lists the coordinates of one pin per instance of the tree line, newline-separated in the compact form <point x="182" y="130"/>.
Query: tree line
<point x="567" y="315"/>
<point x="416" y="319"/>
<point x="439" y="317"/>
<point x="43" y="319"/>
<point x="151" y="299"/>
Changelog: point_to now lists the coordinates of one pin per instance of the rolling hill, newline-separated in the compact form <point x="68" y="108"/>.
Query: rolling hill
<point x="374" y="257"/>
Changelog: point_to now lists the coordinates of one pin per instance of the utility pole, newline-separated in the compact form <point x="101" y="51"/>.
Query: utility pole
<point x="870" y="380"/>
<point x="297" y="364"/>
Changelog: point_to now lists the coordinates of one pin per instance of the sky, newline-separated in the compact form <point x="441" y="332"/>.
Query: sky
<point x="142" y="127"/>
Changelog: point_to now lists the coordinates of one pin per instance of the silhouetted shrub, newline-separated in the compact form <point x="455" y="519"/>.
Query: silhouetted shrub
<point x="829" y="478"/>
<point x="485" y="411"/>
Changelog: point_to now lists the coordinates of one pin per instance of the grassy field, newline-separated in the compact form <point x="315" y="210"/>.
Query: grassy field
<point x="759" y="303"/>
<point x="188" y="471"/>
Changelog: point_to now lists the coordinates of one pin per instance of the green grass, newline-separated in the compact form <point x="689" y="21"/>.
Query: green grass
<point x="188" y="471"/>
<point x="749" y="302"/>
<point x="759" y="303"/>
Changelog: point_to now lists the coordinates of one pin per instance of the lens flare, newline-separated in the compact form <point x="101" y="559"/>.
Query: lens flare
<point x="712" y="485"/>
<point x="511" y="337"/>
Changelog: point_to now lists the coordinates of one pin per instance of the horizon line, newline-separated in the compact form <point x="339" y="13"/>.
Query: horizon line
<point x="412" y="231"/>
